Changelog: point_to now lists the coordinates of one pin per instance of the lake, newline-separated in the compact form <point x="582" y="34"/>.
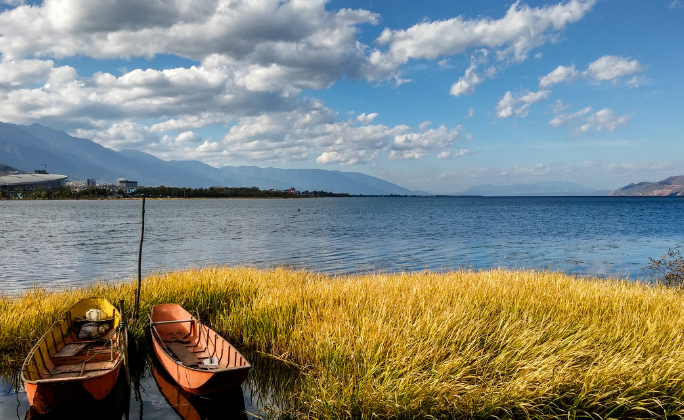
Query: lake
<point x="67" y="243"/>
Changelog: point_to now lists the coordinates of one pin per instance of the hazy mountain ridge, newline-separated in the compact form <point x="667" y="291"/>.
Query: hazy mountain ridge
<point x="546" y="188"/>
<point x="670" y="187"/>
<point x="29" y="147"/>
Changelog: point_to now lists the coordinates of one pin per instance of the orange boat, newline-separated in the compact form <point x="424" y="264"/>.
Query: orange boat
<point x="198" y="359"/>
<point x="78" y="360"/>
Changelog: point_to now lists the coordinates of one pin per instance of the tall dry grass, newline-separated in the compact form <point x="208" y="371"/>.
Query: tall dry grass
<point x="462" y="344"/>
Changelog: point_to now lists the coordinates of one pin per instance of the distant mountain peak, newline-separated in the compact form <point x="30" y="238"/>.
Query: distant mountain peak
<point x="543" y="188"/>
<point x="672" y="187"/>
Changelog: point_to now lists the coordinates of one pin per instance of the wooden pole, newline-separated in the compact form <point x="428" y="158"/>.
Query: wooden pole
<point x="142" y="234"/>
<point x="123" y="340"/>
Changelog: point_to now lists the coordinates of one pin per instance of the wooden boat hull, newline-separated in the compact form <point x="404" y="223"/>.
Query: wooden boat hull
<point x="63" y="369"/>
<point x="47" y="396"/>
<point x="181" y="344"/>
<point x="113" y="407"/>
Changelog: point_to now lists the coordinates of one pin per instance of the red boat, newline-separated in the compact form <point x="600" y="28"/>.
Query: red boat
<point x="78" y="359"/>
<point x="194" y="355"/>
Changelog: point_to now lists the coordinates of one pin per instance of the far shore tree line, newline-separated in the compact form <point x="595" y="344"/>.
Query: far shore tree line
<point x="96" y="193"/>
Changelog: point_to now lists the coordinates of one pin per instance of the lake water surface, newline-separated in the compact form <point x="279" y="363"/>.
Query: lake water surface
<point x="65" y="243"/>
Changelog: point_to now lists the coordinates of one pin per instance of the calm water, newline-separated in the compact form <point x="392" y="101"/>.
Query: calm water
<point x="62" y="243"/>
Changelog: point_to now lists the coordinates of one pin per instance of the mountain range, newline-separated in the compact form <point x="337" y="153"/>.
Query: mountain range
<point x="672" y="186"/>
<point x="31" y="147"/>
<point x="546" y="188"/>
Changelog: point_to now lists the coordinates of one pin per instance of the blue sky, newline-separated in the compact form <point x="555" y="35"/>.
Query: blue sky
<point x="434" y="95"/>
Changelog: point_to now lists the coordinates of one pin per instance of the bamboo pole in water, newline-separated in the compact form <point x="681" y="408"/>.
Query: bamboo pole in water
<point x="123" y="340"/>
<point x="142" y="234"/>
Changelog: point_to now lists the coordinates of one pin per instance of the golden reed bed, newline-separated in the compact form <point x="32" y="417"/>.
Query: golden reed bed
<point x="467" y="344"/>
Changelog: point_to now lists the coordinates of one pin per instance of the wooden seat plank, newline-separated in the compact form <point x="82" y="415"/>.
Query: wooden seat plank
<point x="89" y="367"/>
<point x="182" y="353"/>
<point x="70" y="350"/>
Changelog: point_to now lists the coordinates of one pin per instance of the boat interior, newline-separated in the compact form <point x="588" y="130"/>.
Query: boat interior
<point x="75" y="346"/>
<point x="190" y="343"/>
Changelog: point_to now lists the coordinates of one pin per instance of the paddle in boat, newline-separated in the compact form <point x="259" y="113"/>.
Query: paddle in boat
<point x="194" y="355"/>
<point x="79" y="359"/>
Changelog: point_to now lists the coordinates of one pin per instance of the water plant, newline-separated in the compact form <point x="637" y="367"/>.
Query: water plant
<point x="464" y="344"/>
<point x="668" y="270"/>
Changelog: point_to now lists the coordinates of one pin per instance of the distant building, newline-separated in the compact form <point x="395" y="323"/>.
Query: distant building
<point x="33" y="181"/>
<point x="91" y="183"/>
<point x="126" y="184"/>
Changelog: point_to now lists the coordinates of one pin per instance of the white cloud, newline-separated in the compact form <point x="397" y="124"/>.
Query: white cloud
<point x="534" y="170"/>
<point x="581" y="121"/>
<point x="519" y="106"/>
<point x="471" y="113"/>
<point x="271" y="45"/>
<point x="452" y="155"/>
<point x="466" y="83"/>
<point x="675" y="4"/>
<point x="424" y="125"/>
<point x="19" y="73"/>
<point x="188" y="137"/>
<point x="566" y="119"/>
<point x="123" y="135"/>
<point x="512" y="36"/>
<point x="635" y="81"/>
<point x="560" y="74"/>
<point x="183" y="122"/>
<point x="606" y="119"/>
<point x="559" y="107"/>
<point x="366" y="119"/>
<point x="612" y="68"/>
<point x="607" y="67"/>
<point x="416" y="145"/>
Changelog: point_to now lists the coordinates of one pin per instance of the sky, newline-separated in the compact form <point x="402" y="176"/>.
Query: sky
<point x="434" y="95"/>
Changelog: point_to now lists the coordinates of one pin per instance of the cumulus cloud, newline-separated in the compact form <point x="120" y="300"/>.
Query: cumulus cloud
<point x="519" y="106"/>
<point x="560" y="74"/>
<point x="452" y="155"/>
<point x="607" y="67"/>
<point x="123" y="135"/>
<point x="416" y="145"/>
<point x="512" y="36"/>
<point x="566" y="119"/>
<point x="19" y="73"/>
<point x="270" y="44"/>
<point x="612" y="68"/>
<point x="366" y="119"/>
<point x="583" y="120"/>
<point x="466" y="83"/>
<point x="313" y="131"/>
<point x="606" y="119"/>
